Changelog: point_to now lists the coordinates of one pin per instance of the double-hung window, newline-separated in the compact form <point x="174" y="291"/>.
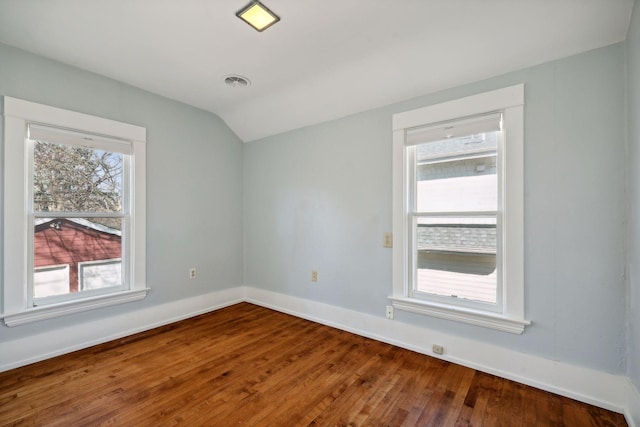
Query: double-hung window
<point x="74" y="212"/>
<point x="458" y="226"/>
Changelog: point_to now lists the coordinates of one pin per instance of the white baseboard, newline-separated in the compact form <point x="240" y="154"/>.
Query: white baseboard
<point x="34" y="348"/>
<point x="586" y="385"/>
<point x="613" y="392"/>
<point x="632" y="412"/>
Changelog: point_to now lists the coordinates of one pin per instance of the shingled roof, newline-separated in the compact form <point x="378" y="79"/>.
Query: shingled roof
<point x="459" y="238"/>
<point x="79" y="221"/>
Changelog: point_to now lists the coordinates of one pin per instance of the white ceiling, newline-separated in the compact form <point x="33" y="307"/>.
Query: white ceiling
<point x="325" y="59"/>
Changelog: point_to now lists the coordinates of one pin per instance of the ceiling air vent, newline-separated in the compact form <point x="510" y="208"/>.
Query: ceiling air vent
<point x="237" y="81"/>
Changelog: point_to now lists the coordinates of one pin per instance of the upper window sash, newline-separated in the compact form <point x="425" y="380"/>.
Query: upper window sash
<point x="79" y="139"/>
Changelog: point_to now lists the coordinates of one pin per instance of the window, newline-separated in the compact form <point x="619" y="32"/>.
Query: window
<point x="453" y="214"/>
<point x="76" y="224"/>
<point x="458" y="210"/>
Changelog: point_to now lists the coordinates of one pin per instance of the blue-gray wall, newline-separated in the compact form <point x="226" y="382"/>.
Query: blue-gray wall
<point x="194" y="180"/>
<point x="633" y="115"/>
<point x="319" y="198"/>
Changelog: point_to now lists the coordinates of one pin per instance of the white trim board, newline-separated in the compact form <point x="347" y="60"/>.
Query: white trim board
<point x="34" y="348"/>
<point x="632" y="412"/>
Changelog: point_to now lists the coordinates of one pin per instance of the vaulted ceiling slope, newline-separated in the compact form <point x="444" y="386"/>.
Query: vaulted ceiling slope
<point x="326" y="58"/>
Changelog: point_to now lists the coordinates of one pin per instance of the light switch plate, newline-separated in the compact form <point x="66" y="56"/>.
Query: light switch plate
<point x="388" y="240"/>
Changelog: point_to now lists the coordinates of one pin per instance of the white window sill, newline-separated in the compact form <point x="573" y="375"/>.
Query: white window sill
<point x="45" y="312"/>
<point x="461" y="314"/>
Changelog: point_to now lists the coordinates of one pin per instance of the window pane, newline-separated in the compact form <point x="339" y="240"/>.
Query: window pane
<point x="76" y="179"/>
<point x="456" y="257"/>
<point x="100" y="274"/>
<point x="457" y="174"/>
<point x="92" y="246"/>
<point x="51" y="280"/>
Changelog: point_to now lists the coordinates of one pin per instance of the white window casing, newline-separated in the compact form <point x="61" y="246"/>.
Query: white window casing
<point x="24" y="119"/>
<point x="430" y="124"/>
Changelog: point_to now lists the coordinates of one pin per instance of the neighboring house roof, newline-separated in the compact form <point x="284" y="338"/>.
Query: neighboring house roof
<point x="83" y="222"/>
<point x="477" y="239"/>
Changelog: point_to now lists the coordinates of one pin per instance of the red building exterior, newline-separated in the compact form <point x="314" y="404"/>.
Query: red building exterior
<point x="63" y="241"/>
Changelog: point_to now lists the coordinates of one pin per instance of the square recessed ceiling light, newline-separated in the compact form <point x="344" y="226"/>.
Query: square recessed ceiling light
<point x="258" y="16"/>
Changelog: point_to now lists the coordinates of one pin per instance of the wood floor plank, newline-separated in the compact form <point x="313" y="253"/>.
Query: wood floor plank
<point x="248" y="365"/>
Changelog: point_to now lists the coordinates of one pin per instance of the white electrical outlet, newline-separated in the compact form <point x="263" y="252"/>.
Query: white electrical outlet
<point x="314" y="276"/>
<point x="192" y="273"/>
<point x="437" y="349"/>
<point x="389" y="312"/>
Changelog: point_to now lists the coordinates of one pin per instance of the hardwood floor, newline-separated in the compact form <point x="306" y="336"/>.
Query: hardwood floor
<point x="247" y="365"/>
